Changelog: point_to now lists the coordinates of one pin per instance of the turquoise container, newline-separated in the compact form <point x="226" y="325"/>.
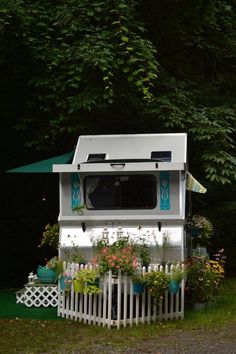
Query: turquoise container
<point x="65" y="282"/>
<point x="138" y="288"/>
<point x="46" y="275"/>
<point x="174" y="287"/>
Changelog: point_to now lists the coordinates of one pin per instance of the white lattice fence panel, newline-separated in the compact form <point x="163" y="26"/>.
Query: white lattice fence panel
<point x="20" y="296"/>
<point x="39" y="295"/>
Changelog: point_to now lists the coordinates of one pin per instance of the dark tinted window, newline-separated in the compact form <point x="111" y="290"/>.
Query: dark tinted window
<point x="161" y="156"/>
<point x="96" y="157"/>
<point x="120" y="192"/>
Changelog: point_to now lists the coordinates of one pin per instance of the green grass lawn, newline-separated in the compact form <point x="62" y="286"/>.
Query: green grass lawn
<point x="10" y="310"/>
<point x="32" y="334"/>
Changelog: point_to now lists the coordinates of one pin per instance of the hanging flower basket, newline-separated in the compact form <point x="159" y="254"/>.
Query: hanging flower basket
<point x="174" y="287"/>
<point x="157" y="283"/>
<point x="200" y="228"/>
<point x="65" y="282"/>
<point x="195" y="231"/>
<point x="78" y="286"/>
<point x="86" y="281"/>
<point x="138" y="288"/>
<point x="177" y="274"/>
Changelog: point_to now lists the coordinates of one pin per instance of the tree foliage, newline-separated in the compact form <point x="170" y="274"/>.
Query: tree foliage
<point x="85" y="55"/>
<point x="211" y="128"/>
<point x="125" y="66"/>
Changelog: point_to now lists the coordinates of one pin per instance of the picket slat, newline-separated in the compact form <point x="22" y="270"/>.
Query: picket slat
<point x="143" y="307"/>
<point x="99" y="309"/>
<point x="125" y="299"/>
<point x="131" y="305"/>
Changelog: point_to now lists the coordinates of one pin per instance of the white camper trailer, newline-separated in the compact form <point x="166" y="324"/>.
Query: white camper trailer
<point x="128" y="185"/>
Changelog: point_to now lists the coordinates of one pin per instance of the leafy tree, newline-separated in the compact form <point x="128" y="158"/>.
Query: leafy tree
<point x="196" y="90"/>
<point x="125" y="66"/>
<point x="85" y="57"/>
<point x="212" y="128"/>
<point x="119" y="66"/>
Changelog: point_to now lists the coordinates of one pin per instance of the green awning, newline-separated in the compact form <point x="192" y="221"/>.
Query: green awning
<point x="44" y="166"/>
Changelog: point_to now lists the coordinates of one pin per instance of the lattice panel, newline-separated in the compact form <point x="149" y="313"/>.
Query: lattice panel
<point x="38" y="295"/>
<point x="20" y="296"/>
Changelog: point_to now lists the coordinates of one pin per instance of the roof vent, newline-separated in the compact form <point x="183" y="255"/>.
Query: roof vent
<point x="161" y="156"/>
<point x="96" y="157"/>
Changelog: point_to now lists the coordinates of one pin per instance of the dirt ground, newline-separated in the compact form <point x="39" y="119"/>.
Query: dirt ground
<point x="197" y="341"/>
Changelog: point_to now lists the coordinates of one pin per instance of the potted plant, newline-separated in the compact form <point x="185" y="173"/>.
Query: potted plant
<point x="65" y="281"/>
<point x="73" y="255"/>
<point x="176" y="276"/>
<point x="204" y="280"/>
<point x="79" y="209"/>
<point x="119" y="256"/>
<point x="142" y="251"/>
<point x="56" y="264"/>
<point x="86" y="281"/>
<point x="157" y="283"/>
<point x="46" y="275"/>
<point x="139" y="282"/>
<point x="78" y="282"/>
<point x="162" y="250"/>
<point x="50" y="272"/>
<point x="54" y="267"/>
<point x="201" y="230"/>
<point x="50" y="236"/>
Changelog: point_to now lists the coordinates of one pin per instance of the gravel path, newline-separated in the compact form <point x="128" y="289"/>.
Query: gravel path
<point x="197" y="341"/>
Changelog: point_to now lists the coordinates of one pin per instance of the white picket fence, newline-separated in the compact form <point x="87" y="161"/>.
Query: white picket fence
<point x="117" y="305"/>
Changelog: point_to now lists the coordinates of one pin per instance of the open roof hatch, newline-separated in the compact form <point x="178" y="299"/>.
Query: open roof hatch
<point x="96" y="157"/>
<point x="161" y="156"/>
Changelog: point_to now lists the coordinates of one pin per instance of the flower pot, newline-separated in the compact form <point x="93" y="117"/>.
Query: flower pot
<point x="210" y="304"/>
<point x="174" y="287"/>
<point x="78" y="286"/>
<point x="65" y="282"/>
<point x="138" y="288"/>
<point x="199" y="306"/>
<point x="195" y="231"/>
<point x="46" y="275"/>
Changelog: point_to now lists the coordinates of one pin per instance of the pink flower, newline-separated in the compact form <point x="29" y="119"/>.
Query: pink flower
<point x="105" y="250"/>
